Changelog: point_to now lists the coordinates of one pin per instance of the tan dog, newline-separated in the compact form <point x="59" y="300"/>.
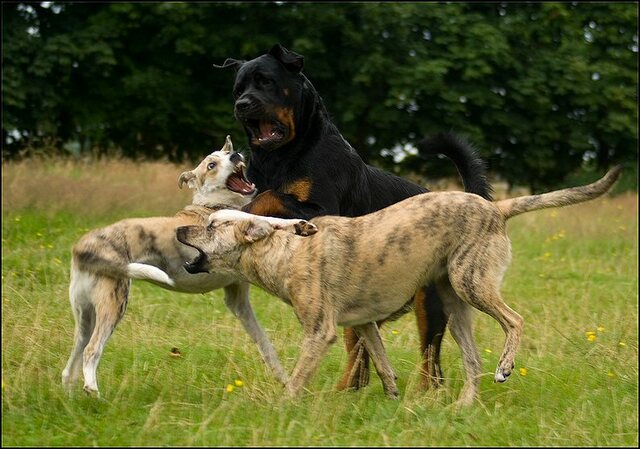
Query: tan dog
<point x="105" y="260"/>
<point x="355" y="271"/>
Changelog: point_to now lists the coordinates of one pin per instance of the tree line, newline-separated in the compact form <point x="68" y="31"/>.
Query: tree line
<point x="541" y="89"/>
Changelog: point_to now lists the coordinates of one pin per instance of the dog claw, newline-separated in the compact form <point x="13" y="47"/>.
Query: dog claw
<point x="502" y="375"/>
<point x="305" y="228"/>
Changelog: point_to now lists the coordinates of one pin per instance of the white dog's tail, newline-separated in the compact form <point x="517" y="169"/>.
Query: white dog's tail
<point x="564" y="197"/>
<point x="149" y="273"/>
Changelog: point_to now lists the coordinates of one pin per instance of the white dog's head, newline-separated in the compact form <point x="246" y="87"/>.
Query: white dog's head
<point x="219" y="179"/>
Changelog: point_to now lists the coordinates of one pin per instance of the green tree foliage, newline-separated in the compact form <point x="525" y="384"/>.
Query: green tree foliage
<point x="541" y="88"/>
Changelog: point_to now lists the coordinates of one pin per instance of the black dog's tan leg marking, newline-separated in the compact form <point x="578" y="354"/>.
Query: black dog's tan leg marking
<point x="432" y="323"/>
<point x="371" y="337"/>
<point x="356" y="374"/>
<point x="268" y="204"/>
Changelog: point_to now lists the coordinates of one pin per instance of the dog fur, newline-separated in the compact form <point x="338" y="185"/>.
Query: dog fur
<point x="104" y="261"/>
<point x="303" y="167"/>
<point x="355" y="271"/>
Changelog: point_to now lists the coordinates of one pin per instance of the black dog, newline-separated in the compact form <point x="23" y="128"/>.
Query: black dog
<point x="304" y="168"/>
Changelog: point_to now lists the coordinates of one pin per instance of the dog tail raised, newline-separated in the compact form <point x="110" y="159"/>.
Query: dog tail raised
<point x="559" y="198"/>
<point x="470" y="165"/>
<point x="148" y="273"/>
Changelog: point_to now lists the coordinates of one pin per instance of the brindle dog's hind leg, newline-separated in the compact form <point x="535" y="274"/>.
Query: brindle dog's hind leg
<point x="481" y="289"/>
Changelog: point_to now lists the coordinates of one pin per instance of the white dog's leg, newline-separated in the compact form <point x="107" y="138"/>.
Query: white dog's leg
<point x="236" y="297"/>
<point x="110" y="301"/>
<point x="84" y="315"/>
<point x="293" y="225"/>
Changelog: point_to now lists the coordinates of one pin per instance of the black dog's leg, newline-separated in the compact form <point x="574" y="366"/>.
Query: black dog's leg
<point x="432" y="323"/>
<point x="356" y="375"/>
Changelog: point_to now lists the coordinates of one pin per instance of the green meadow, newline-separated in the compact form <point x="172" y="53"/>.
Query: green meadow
<point x="573" y="278"/>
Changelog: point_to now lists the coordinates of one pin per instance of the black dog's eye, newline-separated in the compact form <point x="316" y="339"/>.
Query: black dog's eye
<point x="211" y="165"/>
<point x="261" y="80"/>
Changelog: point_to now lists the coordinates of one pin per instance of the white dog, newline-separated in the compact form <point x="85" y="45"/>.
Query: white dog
<point x="105" y="260"/>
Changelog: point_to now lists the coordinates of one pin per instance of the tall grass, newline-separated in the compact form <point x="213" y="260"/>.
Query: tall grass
<point x="573" y="279"/>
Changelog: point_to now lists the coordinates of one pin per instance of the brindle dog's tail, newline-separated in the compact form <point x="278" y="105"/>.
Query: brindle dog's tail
<point x="470" y="165"/>
<point x="559" y="198"/>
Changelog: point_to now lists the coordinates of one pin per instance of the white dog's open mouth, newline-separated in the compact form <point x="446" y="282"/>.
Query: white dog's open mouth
<point x="238" y="182"/>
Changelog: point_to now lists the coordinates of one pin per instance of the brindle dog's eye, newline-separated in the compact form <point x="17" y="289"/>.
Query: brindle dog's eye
<point x="211" y="165"/>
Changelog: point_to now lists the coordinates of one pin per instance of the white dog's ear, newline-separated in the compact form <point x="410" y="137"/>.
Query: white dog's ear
<point x="250" y="231"/>
<point x="188" y="177"/>
<point x="228" y="145"/>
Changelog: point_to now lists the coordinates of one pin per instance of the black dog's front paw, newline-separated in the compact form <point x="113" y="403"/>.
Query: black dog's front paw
<point x="305" y="228"/>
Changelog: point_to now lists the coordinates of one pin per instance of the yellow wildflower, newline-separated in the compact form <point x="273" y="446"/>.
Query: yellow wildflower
<point x="239" y="383"/>
<point x="230" y="388"/>
<point x="395" y="332"/>
<point x="523" y="371"/>
<point x="488" y="351"/>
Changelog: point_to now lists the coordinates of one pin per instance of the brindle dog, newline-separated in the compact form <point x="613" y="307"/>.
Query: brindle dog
<point x="356" y="271"/>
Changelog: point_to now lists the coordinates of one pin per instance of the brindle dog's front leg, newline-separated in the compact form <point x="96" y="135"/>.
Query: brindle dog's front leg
<point x="319" y="333"/>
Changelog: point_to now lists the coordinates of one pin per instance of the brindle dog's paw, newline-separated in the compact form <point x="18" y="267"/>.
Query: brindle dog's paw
<point x="305" y="228"/>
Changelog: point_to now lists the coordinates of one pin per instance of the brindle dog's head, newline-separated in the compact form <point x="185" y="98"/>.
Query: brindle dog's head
<point x="269" y="96"/>
<point x="220" y="243"/>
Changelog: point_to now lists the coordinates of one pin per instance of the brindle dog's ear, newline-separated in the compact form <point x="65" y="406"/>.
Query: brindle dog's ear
<point x="250" y="231"/>
<point x="230" y="62"/>
<point x="290" y="59"/>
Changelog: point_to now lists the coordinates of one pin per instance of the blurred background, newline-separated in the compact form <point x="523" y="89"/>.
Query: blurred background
<point x="547" y="92"/>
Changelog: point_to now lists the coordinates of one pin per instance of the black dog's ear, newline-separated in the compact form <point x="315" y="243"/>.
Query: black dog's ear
<point x="229" y="62"/>
<point x="290" y="59"/>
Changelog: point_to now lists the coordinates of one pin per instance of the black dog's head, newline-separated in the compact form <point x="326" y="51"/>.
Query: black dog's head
<point x="268" y="93"/>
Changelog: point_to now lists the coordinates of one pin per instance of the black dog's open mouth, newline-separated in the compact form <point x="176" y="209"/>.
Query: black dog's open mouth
<point x="238" y="182"/>
<point x="266" y="132"/>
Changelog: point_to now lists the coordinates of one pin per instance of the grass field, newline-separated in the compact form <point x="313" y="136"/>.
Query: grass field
<point x="573" y="279"/>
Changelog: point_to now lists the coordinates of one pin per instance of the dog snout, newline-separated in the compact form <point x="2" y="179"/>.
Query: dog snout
<point x="236" y="157"/>
<point x="243" y="105"/>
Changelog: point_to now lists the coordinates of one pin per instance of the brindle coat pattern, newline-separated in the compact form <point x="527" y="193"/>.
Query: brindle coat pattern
<point x="355" y="271"/>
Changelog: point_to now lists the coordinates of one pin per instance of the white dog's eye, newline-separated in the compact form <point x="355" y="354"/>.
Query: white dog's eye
<point x="211" y="165"/>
